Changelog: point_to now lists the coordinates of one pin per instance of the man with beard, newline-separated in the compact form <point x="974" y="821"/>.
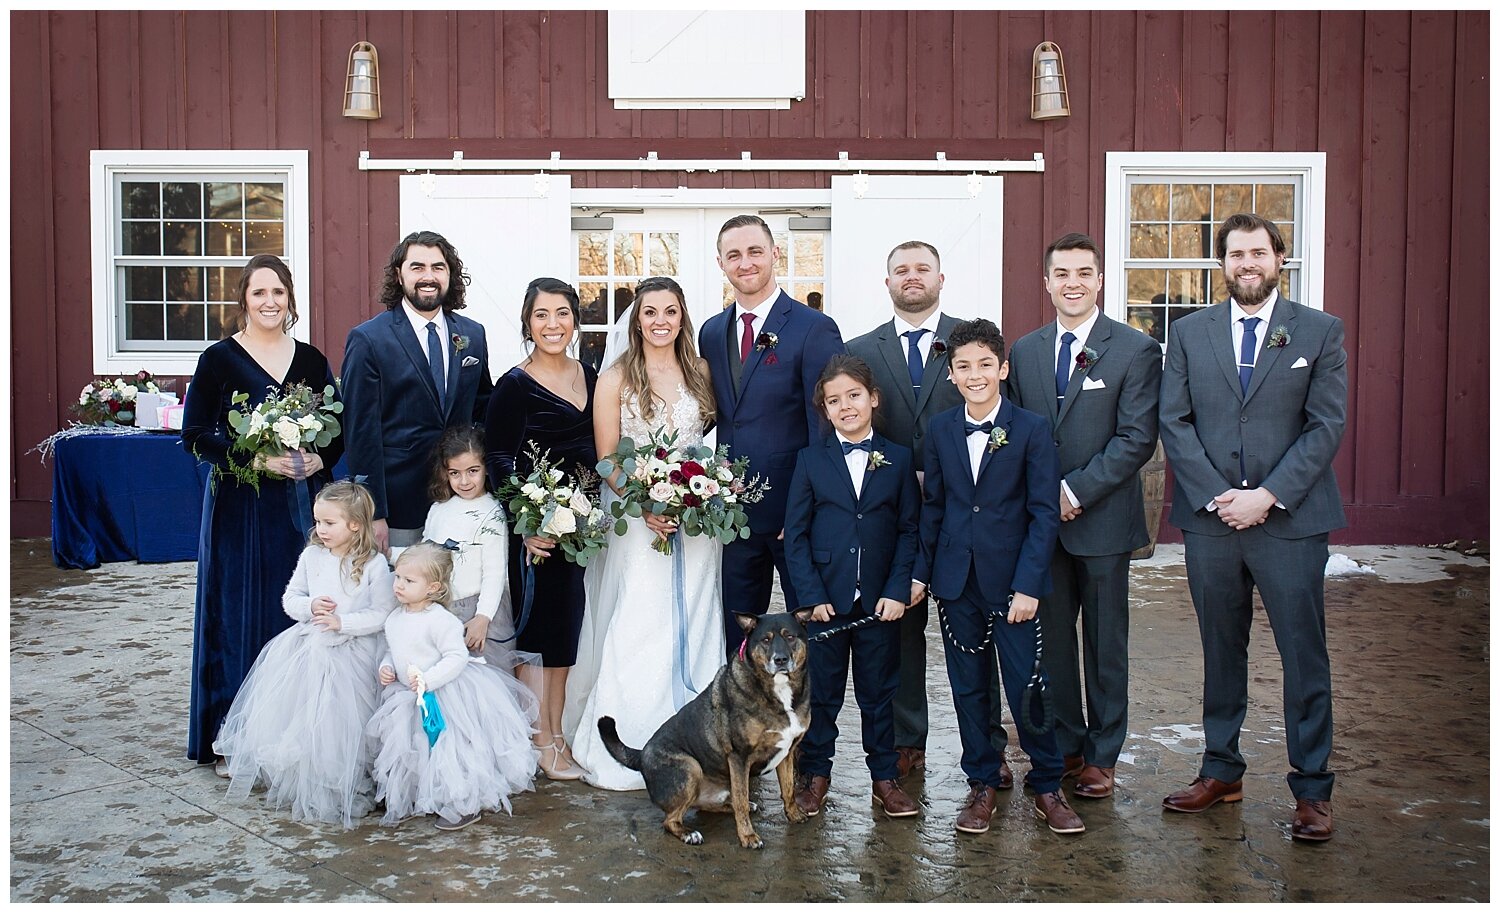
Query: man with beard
<point x="408" y="375"/>
<point x="909" y="357"/>
<point x="1252" y="411"/>
<point x="764" y="355"/>
<point x="1096" y="382"/>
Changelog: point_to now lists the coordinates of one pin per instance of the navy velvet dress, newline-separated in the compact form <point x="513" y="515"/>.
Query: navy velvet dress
<point x="249" y="543"/>
<point x="522" y="410"/>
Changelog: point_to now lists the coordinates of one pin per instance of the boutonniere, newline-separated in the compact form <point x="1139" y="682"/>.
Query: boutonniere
<point x="1086" y="359"/>
<point x="998" y="439"/>
<point x="460" y="342"/>
<point x="877" y="460"/>
<point x="1278" y="339"/>
<point x="939" y="347"/>
<point x="766" y="341"/>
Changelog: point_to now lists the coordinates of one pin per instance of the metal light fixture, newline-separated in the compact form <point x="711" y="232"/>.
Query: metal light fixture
<point x="1049" y="83"/>
<point x="362" y="84"/>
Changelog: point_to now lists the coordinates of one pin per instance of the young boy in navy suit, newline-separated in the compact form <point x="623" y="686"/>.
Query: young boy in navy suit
<point x="989" y="523"/>
<point x="851" y="538"/>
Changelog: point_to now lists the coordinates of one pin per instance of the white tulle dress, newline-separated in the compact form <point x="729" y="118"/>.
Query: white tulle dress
<point x="481" y="758"/>
<point x="297" y="723"/>
<point x="643" y="654"/>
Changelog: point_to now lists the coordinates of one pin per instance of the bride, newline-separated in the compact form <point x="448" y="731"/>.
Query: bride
<point x="642" y="655"/>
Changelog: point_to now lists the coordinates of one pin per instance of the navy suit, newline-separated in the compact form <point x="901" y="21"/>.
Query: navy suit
<point x="767" y="416"/>
<point x="838" y="544"/>
<point x="981" y="542"/>
<point x="392" y="415"/>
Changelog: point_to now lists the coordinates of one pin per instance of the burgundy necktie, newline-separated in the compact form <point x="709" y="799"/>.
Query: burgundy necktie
<point x="747" y="340"/>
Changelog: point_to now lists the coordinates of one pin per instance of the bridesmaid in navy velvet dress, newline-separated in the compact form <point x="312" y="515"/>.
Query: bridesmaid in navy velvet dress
<point x="249" y="542"/>
<point x="548" y="399"/>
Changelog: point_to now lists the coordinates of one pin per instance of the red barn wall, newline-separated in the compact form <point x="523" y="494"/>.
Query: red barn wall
<point x="1399" y="102"/>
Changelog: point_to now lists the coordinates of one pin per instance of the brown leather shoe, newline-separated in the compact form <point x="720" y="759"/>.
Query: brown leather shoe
<point x="1053" y="808"/>
<point x="893" y="799"/>
<point x="811" y="796"/>
<point x="909" y="759"/>
<point x="1072" y="764"/>
<point x="1095" y="782"/>
<point x="979" y="807"/>
<point x="1314" y="820"/>
<point x="1202" y="794"/>
<point x="1007" y="779"/>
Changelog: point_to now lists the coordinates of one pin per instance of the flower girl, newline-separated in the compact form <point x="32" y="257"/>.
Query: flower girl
<point x="453" y="735"/>
<point x="297" y="723"/>
<point x="466" y="518"/>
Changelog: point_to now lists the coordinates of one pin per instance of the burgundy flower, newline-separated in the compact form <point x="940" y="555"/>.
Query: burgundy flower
<point x="691" y="469"/>
<point x="661" y="453"/>
<point x="114" y="406"/>
<point x="1086" y="358"/>
<point x="691" y="500"/>
<point x="939" y="347"/>
<point x="676" y="477"/>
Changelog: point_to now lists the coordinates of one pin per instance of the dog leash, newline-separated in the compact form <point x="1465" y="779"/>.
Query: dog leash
<point x="1035" y="696"/>
<point x="824" y="635"/>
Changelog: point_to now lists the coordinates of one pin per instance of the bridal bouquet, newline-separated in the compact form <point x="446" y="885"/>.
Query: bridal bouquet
<point x="297" y="418"/>
<point x="112" y="400"/>
<point x="697" y="488"/>
<point x="547" y="503"/>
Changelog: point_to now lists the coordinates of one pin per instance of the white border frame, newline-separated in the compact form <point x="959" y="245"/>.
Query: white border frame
<point x="1310" y="166"/>
<point x="105" y="164"/>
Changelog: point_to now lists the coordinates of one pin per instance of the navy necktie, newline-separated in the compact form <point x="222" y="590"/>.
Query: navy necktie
<point x="1247" y="352"/>
<point x="849" y="448"/>
<point x="435" y="360"/>
<point x="914" y="356"/>
<point x="1064" y="363"/>
<point x="981" y="428"/>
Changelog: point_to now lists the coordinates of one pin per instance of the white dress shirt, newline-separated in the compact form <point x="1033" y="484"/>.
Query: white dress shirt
<point x="977" y="442"/>
<point x="758" y="311"/>
<point x="419" y="326"/>
<point x="1237" y="338"/>
<point x="857" y="461"/>
<point x="1081" y="335"/>
<point x="924" y="345"/>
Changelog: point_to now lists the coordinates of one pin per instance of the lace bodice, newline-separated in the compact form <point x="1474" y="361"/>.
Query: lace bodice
<point x="682" y="418"/>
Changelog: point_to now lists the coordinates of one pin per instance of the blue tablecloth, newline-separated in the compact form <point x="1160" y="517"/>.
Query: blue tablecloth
<point x="125" y="497"/>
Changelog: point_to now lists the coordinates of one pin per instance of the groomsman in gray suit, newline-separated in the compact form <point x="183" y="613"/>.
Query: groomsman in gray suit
<point x="909" y="357"/>
<point x="1252" y="412"/>
<point x="1096" y="381"/>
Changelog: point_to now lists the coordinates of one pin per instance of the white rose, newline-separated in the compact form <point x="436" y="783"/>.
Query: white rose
<point x="559" y="524"/>
<point x="596" y="516"/>
<point x="288" y="432"/>
<point x="83" y="398"/>
<point x="309" y="423"/>
<point x="257" y="423"/>
<point x="151" y="387"/>
<point x="661" y="491"/>
<point x="710" y="487"/>
<point x="580" y="504"/>
<point x="534" y="491"/>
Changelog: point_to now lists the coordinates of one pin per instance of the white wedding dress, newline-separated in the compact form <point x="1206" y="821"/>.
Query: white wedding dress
<point x="641" y="655"/>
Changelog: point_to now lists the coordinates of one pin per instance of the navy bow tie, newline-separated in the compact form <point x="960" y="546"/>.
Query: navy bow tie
<point x="864" y="445"/>
<point x="983" y="428"/>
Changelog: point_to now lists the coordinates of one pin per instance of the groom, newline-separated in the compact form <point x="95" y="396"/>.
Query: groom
<point x="765" y="354"/>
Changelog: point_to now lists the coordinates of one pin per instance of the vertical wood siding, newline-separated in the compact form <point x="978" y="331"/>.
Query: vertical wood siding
<point x="1399" y="101"/>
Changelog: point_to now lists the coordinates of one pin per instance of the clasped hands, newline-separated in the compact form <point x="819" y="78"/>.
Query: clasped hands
<point x="286" y="465"/>
<point x="885" y="610"/>
<point x="323" y="614"/>
<point x="1242" y="508"/>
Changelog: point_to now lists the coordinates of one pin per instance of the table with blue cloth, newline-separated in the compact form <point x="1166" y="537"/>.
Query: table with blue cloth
<point x="123" y="497"/>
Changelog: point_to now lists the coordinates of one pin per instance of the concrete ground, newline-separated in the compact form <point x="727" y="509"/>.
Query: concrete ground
<point x="105" y="807"/>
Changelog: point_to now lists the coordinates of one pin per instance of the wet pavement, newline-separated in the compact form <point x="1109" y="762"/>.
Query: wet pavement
<point x="105" y="807"/>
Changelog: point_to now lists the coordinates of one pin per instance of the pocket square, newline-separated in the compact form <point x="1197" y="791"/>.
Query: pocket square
<point x="469" y="361"/>
<point x="1300" y="363"/>
<point x="1090" y="383"/>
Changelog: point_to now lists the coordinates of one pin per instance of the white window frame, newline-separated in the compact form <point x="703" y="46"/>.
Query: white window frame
<point x="1307" y="244"/>
<point x="107" y="166"/>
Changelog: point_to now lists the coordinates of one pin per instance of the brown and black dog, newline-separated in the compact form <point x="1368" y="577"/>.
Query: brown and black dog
<point x="750" y="718"/>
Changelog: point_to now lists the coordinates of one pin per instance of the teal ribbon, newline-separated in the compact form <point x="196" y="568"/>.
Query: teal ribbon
<point x="299" y="498"/>
<point x="682" y="683"/>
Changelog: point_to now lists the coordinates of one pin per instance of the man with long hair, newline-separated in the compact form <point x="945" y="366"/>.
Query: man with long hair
<point x="410" y="373"/>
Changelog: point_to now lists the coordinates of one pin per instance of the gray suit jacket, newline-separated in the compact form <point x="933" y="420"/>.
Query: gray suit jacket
<point x="1287" y="425"/>
<point x="903" y="414"/>
<point x="1104" y="434"/>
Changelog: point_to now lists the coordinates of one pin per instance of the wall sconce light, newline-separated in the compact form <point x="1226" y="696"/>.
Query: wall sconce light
<point x="362" y="84"/>
<point x="1049" y="83"/>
